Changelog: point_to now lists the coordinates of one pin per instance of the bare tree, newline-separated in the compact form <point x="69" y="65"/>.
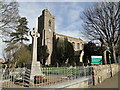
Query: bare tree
<point x="9" y="14"/>
<point x="101" y="22"/>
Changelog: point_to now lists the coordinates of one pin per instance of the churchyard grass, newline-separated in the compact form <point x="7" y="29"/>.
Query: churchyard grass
<point x="64" y="70"/>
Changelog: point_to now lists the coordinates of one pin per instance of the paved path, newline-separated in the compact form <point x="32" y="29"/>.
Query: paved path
<point x="109" y="83"/>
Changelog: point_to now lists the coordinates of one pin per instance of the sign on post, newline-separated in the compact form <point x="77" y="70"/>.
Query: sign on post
<point x="96" y="59"/>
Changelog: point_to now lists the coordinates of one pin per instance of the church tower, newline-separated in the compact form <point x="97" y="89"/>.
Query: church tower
<point x="46" y="28"/>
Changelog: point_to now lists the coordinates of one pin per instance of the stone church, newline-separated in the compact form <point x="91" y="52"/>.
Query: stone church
<point x="46" y="28"/>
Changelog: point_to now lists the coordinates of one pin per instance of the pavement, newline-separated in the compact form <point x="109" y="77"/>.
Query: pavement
<point x="113" y="82"/>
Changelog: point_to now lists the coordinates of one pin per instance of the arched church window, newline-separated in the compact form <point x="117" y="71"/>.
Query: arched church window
<point x="73" y="43"/>
<point x="49" y="23"/>
<point x="81" y="45"/>
<point x="78" y="45"/>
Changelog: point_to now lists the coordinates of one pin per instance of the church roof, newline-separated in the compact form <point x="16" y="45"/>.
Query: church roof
<point x="69" y="37"/>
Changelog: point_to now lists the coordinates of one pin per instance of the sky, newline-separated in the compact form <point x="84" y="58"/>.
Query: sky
<point x="67" y="16"/>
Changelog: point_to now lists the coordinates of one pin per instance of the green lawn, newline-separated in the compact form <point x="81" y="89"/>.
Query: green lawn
<point x="64" y="70"/>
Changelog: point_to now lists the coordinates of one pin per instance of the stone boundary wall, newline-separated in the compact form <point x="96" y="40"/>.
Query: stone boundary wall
<point x="102" y="72"/>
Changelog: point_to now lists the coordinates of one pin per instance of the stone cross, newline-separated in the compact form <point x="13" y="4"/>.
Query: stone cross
<point x="34" y="35"/>
<point x="35" y="67"/>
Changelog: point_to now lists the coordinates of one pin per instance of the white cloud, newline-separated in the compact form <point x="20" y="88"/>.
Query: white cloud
<point x="75" y="25"/>
<point x="74" y="12"/>
<point x="31" y="11"/>
<point x="59" y="22"/>
<point x="65" y="13"/>
<point x="67" y="0"/>
<point x="67" y="16"/>
<point x="74" y="33"/>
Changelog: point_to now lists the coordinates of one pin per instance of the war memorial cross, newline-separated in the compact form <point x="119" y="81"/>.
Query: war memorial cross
<point x="35" y="67"/>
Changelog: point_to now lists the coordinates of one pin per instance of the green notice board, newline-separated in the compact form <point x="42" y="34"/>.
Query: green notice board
<point x="96" y="59"/>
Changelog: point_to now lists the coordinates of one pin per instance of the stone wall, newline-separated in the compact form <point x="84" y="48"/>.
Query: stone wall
<point x="102" y="72"/>
<point x="78" y="44"/>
